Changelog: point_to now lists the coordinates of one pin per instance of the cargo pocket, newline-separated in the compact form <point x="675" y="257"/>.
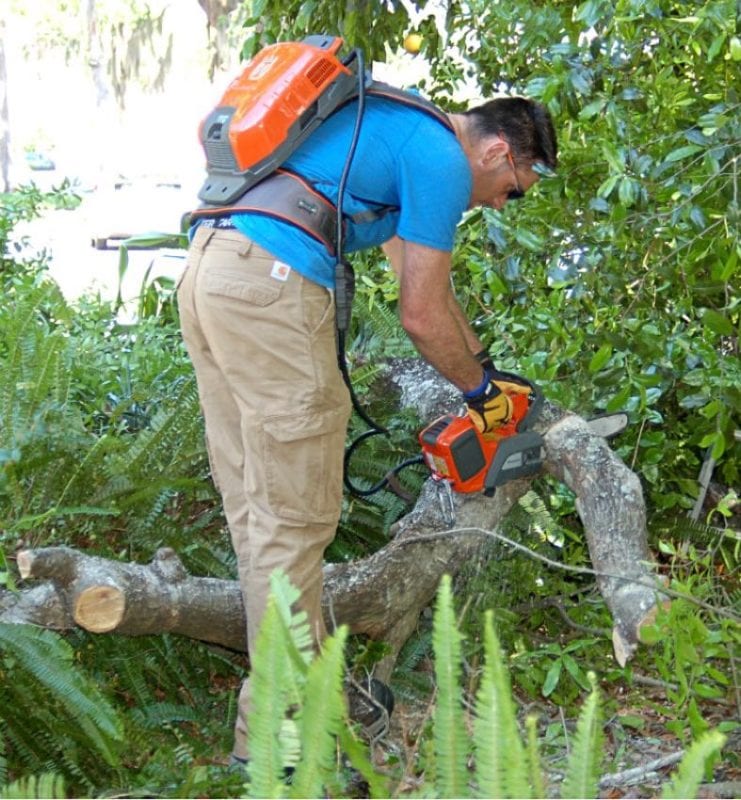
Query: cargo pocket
<point x="303" y="456"/>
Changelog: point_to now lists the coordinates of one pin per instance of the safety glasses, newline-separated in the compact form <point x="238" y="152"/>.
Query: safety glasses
<point x="517" y="193"/>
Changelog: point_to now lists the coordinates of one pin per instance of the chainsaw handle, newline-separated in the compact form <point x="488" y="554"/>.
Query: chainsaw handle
<point x="535" y="398"/>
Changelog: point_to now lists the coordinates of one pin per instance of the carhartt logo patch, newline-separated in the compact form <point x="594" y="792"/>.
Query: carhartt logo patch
<point x="280" y="271"/>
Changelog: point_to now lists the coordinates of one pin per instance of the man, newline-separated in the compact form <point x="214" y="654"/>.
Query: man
<point x="258" y="318"/>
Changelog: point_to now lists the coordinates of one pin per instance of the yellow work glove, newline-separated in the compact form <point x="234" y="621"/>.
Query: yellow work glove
<point x="490" y="405"/>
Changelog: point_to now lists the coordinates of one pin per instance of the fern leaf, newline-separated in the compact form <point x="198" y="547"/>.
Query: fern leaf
<point x="501" y="762"/>
<point x="582" y="770"/>
<point x="322" y="717"/>
<point x="533" y="757"/>
<point x="689" y="774"/>
<point x="286" y="596"/>
<point x="158" y="714"/>
<point x="49" y="659"/>
<point x="451" y="741"/>
<point x="48" y="785"/>
<point x="268" y="705"/>
<point x="356" y="755"/>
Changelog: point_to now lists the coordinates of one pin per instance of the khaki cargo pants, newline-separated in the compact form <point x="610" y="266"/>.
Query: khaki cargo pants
<point x="262" y="342"/>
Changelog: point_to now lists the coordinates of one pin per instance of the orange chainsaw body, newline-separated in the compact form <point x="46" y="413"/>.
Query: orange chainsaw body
<point x="455" y="451"/>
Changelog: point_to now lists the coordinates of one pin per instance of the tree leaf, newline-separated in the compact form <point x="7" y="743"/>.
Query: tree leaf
<point x="552" y="678"/>
<point x="600" y="358"/>
<point x="717" y="322"/>
<point x="683" y="152"/>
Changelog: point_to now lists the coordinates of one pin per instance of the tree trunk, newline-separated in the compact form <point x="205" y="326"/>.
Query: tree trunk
<point x="382" y="595"/>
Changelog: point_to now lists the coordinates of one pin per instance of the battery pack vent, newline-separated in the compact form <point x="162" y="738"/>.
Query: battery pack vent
<point x="320" y="72"/>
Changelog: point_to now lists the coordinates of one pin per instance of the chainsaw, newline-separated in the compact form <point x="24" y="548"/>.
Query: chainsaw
<point x="465" y="461"/>
<point x="457" y="453"/>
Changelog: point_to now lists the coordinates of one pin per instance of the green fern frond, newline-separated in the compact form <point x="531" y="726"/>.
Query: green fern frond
<point x="501" y="761"/>
<point x="582" y="770"/>
<point x="533" y="757"/>
<point x="269" y="701"/>
<point x="158" y="714"/>
<point x="451" y="741"/>
<point x="48" y="785"/>
<point x="689" y="774"/>
<point x="162" y="443"/>
<point x="321" y="718"/>
<point x="49" y="659"/>
<point x="299" y="643"/>
<point x="286" y="596"/>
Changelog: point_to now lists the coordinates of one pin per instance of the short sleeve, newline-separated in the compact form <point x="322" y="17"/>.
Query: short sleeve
<point x="434" y="181"/>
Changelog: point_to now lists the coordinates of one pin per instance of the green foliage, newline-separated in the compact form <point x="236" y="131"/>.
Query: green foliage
<point x="276" y="680"/>
<point x="66" y="720"/>
<point x="502" y="763"/>
<point x="586" y="751"/>
<point x="298" y="709"/>
<point x="367" y="25"/>
<point x="47" y="785"/>
<point x="74" y="390"/>
<point x="156" y="295"/>
<point x="691" y="771"/>
<point x="21" y="205"/>
<point x="323" y="701"/>
<point x="450" y="738"/>
<point x="505" y="766"/>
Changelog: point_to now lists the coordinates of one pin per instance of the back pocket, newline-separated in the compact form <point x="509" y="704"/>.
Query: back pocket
<point x="255" y="292"/>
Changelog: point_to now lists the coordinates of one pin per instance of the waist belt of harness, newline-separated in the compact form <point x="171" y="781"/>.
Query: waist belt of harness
<point x="287" y="197"/>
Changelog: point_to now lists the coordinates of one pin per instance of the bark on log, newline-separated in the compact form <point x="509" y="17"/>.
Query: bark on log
<point x="382" y="595"/>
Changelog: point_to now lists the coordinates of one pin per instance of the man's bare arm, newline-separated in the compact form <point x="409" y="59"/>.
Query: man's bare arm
<point x="394" y="250"/>
<point x="430" y="313"/>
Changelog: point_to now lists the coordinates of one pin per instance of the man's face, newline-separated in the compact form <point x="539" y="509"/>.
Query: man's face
<point x="497" y="177"/>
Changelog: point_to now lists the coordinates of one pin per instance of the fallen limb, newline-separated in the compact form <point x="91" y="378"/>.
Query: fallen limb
<point x="382" y="595"/>
<point x="642" y="773"/>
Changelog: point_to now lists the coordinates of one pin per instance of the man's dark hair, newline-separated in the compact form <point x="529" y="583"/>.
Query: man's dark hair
<point x="525" y="124"/>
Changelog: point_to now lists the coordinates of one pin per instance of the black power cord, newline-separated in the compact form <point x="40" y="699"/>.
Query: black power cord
<point x="344" y="292"/>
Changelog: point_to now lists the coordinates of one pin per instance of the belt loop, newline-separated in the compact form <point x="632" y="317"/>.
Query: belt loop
<point x="201" y="238"/>
<point x="246" y="248"/>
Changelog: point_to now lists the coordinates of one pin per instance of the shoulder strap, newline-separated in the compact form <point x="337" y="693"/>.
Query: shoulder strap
<point x="410" y="99"/>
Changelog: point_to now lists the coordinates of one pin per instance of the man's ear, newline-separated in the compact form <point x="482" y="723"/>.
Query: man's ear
<point x="494" y="149"/>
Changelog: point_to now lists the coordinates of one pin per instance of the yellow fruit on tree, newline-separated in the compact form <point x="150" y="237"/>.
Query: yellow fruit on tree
<point x="412" y="43"/>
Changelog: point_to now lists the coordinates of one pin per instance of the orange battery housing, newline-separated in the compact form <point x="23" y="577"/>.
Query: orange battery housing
<point x="283" y="94"/>
<point x="277" y="87"/>
<point x="455" y="451"/>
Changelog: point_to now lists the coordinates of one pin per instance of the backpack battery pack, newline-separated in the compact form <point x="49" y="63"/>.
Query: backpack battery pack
<point x="286" y="91"/>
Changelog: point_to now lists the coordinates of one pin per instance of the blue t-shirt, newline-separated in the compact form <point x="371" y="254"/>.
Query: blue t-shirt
<point x="404" y="158"/>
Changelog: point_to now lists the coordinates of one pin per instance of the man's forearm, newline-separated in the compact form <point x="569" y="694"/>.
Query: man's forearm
<point x="431" y="317"/>
<point x="445" y="348"/>
<point x="473" y="341"/>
